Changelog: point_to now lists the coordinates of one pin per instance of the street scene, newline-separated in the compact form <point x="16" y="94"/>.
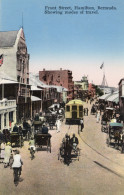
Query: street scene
<point x="61" y="97"/>
<point x="99" y="169"/>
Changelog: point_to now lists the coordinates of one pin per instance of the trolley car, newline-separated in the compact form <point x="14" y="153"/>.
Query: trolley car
<point x="73" y="111"/>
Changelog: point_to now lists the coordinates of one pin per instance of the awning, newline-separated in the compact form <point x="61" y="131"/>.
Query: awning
<point x="34" y="88"/>
<point x="113" y="97"/>
<point x="34" y="98"/>
<point x="105" y="96"/>
<point x="7" y="81"/>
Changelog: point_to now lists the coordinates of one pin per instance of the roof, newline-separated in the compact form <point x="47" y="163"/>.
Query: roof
<point x="33" y="80"/>
<point x="7" y="39"/>
<point x="59" y="88"/>
<point x="104" y="97"/>
<point x="34" y="88"/>
<point x="34" y="98"/>
<point x="7" y="81"/>
<point x="76" y="101"/>
<point x="113" y="97"/>
<point x="116" y="124"/>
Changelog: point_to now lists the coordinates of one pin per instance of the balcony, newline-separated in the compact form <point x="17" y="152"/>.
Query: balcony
<point x="4" y="104"/>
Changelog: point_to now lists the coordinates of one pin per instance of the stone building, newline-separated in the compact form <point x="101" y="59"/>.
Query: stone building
<point x="16" y="65"/>
<point x="59" y="78"/>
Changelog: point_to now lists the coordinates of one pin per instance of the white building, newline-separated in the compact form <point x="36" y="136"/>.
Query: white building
<point x="7" y="113"/>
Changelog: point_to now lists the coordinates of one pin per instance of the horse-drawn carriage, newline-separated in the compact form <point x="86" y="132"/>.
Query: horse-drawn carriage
<point x="26" y="130"/>
<point x="51" y="120"/>
<point x="42" y="140"/>
<point x="68" y="150"/>
<point x="16" y="139"/>
<point x="93" y="109"/>
<point x="115" y="135"/>
<point x="37" y="126"/>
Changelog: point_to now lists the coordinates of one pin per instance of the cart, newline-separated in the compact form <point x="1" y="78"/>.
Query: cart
<point x="43" y="140"/>
<point x="67" y="152"/>
<point x="16" y="139"/>
<point x="114" y="134"/>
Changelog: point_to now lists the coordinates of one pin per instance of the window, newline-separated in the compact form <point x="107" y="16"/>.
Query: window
<point x="4" y="119"/>
<point x="80" y="108"/>
<point x="11" y="116"/>
<point x="74" y="107"/>
<point x="68" y="108"/>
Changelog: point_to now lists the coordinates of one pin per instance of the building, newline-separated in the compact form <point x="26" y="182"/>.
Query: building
<point x="91" y="90"/>
<point x="15" y="65"/>
<point x="7" y="113"/>
<point x="121" y="98"/>
<point x="59" y="78"/>
<point x="43" y="96"/>
<point x="81" y="88"/>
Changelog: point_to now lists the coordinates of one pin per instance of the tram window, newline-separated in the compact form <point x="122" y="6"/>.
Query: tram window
<point x="80" y="114"/>
<point x="68" y="108"/>
<point x="80" y="108"/>
<point x="74" y="107"/>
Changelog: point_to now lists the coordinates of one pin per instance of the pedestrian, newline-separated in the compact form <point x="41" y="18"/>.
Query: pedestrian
<point x="98" y="116"/>
<point x="32" y="147"/>
<point x="82" y="124"/>
<point x="8" y="151"/>
<point x="2" y="155"/>
<point x="58" y="124"/>
<point x="87" y="111"/>
<point x="44" y="129"/>
<point x="17" y="166"/>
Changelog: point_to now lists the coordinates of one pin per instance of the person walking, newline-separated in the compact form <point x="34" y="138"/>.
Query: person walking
<point x="58" y="124"/>
<point x="98" y="116"/>
<point x="82" y="124"/>
<point x="17" y="166"/>
<point x="32" y="147"/>
<point x="8" y="151"/>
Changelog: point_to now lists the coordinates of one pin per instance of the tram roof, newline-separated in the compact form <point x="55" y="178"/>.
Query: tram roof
<point x="76" y="101"/>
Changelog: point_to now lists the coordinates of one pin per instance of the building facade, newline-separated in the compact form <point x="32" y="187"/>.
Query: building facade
<point x="59" y="78"/>
<point x="16" y="65"/>
<point x="7" y="113"/>
<point x="121" y="98"/>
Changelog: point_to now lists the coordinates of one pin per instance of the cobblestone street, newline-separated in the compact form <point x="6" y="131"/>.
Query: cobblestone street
<point x="99" y="170"/>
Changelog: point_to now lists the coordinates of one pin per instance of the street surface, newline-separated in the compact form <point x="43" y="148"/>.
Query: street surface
<point x="99" y="171"/>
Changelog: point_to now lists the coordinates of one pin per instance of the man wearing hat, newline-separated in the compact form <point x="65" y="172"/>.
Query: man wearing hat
<point x="8" y="150"/>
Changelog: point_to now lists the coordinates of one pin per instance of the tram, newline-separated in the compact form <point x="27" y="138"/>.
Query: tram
<point x="74" y="111"/>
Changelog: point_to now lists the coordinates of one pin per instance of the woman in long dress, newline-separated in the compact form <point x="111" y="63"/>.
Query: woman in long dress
<point x="2" y="155"/>
<point x="58" y="124"/>
<point x="8" y="150"/>
<point x="98" y="116"/>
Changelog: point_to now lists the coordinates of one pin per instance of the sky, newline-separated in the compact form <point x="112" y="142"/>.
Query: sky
<point x="78" y="42"/>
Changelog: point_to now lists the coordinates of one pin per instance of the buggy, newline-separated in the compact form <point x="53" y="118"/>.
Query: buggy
<point x="16" y="139"/>
<point x="42" y="140"/>
<point x="51" y="120"/>
<point x="115" y="131"/>
<point x="68" y="152"/>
